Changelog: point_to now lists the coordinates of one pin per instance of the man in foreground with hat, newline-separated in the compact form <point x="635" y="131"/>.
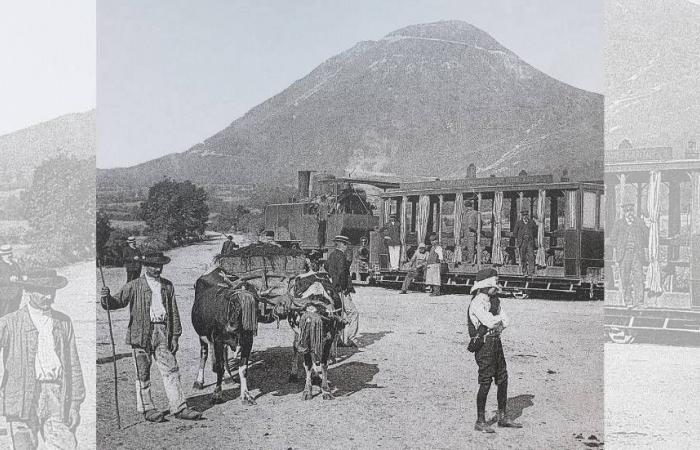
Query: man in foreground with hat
<point x="392" y="238"/>
<point x="131" y="257"/>
<point x="42" y="386"/>
<point x="153" y="333"/>
<point x="487" y="319"/>
<point x="525" y="233"/>
<point x="630" y="238"/>
<point x="229" y="246"/>
<point x="339" y="271"/>
<point x="10" y="273"/>
<point x="417" y="266"/>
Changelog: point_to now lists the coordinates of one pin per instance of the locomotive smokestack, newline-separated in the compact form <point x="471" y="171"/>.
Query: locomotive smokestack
<point x="304" y="183"/>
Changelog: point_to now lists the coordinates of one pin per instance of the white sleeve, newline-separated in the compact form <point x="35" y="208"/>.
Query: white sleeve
<point x="481" y="311"/>
<point x="504" y="317"/>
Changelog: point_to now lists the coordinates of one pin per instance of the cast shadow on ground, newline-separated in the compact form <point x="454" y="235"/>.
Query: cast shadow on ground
<point x="268" y="373"/>
<point x="515" y="407"/>
<point x="109" y="359"/>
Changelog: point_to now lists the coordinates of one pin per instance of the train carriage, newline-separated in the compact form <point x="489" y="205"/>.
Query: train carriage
<point x="666" y="193"/>
<point x="570" y="255"/>
<point x="570" y="248"/>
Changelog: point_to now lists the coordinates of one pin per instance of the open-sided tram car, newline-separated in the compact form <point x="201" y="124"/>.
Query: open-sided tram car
<point x="571" y="245"/>
<point x="667" y="196"/>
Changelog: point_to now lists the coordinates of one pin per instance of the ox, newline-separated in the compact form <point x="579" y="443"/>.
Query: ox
<point x="225" y="314"/>
<point x="314" y="318"/>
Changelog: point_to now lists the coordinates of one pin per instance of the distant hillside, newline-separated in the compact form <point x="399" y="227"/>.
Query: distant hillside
<point x="653" y="73"/>
<point x="425" y="100"/>
<point x="24" y="150"/>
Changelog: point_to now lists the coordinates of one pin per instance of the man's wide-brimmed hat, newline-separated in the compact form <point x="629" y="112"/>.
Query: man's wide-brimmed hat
<point x="628" y="205"/>
<point x="392" y="216"/>
<point x="341" y="238"/>
<point x="5" y="249"/>
<point x="43" y="281"/>
<point x="155" y="259"/>
<point x="131" y="239"/>
<point x="486" y="278"/>
<point x="421" y="245"/>
<point x="524" y="212"/>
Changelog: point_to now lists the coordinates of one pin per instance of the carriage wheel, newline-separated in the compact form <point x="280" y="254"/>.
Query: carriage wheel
<point x="621" y="336"/>
<point x="520" y="294"/>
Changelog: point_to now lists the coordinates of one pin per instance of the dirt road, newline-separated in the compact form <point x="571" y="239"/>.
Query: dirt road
<point x="651" y="396"/>
<point x="411" y="384"/>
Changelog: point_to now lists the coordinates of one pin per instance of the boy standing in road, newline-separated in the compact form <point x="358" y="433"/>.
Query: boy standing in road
<point x="487" y="319"/>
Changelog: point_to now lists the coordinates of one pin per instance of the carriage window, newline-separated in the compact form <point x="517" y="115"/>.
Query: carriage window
<point x="447" y="216"/>
<point x="508" y="203"/>
<point x="589" y="209"/>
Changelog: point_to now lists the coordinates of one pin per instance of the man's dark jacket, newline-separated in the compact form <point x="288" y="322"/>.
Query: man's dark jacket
<point x="128" y="258"/>
<point x="137" y="294"/>
<point x="228" y="247"/>
<point x="19" y="340"/>
<point x="338" y="270"/>
<point x="525" y="233"/>
<point x="392" y="230"/>
<point x="620" y="234"/>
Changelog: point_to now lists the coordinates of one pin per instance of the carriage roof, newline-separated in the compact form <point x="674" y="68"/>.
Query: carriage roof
<point x="489" y="184"/>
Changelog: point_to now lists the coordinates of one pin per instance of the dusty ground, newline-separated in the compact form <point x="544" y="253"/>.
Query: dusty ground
<point x="412" y="383"/>
<point x="651" y="396"/>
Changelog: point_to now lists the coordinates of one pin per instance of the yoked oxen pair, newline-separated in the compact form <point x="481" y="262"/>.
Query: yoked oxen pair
<point x="225" y="313"/>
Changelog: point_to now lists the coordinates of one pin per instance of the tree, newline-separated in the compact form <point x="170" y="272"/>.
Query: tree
<point x="175" y="209"/>
<point x="61" y="210"/>
<point x="103" y="229"/>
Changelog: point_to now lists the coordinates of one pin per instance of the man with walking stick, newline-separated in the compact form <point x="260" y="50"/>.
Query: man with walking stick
<point x="42" y="386"/>
<point x="153" y="333"/>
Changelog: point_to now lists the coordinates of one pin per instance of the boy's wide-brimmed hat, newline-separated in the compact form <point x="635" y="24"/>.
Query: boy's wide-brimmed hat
<point x="155" y="259"/>
<point x="43" y="281"/>
<point x="5" y="249"/>
<point x="486" y="278"/>
<point x="341" y="238"/>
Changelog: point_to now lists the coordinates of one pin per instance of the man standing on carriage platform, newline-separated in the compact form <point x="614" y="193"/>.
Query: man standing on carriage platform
<point x="339" y="270"/>
<point x="153" y="334"/>
<point x="629" y="238"/>
<point x="392" y="238"/>
<point x="470" y="230"/>
<point x="486" y="320"/>
<point x="525" y="233"/>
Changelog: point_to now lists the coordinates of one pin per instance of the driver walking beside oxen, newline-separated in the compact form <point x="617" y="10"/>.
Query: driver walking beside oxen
<point x="339" y="270"/>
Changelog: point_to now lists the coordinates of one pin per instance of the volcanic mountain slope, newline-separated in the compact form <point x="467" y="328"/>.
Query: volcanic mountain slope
<point x="425" y="100"/>
<point x="653" y="73"/>
<point x="22" y="151"/>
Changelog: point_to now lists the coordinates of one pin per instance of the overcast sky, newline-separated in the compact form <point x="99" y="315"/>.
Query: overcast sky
<point x="172" y="73"/>
<point x="48" y="60"/>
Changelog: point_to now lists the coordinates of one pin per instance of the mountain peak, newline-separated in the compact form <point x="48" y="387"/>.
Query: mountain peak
<point x="455" y="31"/>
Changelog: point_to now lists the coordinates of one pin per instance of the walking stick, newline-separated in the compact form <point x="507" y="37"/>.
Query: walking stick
<point x="114" y="353"/>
